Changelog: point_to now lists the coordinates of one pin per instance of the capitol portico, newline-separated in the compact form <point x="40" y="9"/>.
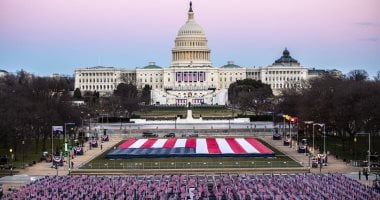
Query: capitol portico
<point x="191" y="78"/>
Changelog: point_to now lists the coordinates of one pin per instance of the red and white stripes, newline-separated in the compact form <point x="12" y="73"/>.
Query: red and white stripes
<point x="202" y="145"/>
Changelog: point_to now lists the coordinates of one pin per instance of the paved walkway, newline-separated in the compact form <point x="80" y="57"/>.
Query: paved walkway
<point x="333" y="164"/>
<point x="45" y="169"/>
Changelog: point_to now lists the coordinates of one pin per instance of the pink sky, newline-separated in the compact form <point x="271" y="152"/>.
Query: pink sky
<point x="46" y="36"/>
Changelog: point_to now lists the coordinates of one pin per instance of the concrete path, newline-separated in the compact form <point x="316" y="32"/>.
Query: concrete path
<point x="45" y="169"/>
<point x="333" y="164"/>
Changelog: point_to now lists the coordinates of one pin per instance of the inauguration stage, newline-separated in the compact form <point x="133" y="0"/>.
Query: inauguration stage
<point x="190" y="147"/>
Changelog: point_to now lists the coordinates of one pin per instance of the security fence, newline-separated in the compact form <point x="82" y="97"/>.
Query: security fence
<point x="120" y="164"/>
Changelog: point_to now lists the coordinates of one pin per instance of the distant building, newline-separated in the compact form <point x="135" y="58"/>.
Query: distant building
<point x="56" y="75"/>
<point x="191" y="78"/>
<point x="285" y="72"/>
<point x="102" y="79"/>
<point x="3" y="73"/>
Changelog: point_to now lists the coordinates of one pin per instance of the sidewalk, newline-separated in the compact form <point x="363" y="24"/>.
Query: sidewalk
<point x="333" y="164"/>
<point x="45" y="169"/>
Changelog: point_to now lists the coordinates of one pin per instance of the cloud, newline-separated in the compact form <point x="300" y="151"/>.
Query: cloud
<point x="368" y="24"/>
<point x="370" y="39"/>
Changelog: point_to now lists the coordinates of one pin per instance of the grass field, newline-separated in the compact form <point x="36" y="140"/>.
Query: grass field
<point x="28" y="154"/>
<point x="204" y="112"/>
<point x="347" y="149"/>
<point x="280" y="160"/>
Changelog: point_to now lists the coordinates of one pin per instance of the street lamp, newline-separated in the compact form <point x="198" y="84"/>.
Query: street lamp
<point x="290" y="133"/>
<point x="294" y="120"/>
<point x="288" y="117"/>
<point x="335" y="147"/>
<point x="23" y="154"/>
<point x="229" y="125"/>
<point x="69" y="123"/>
<point x="10" y="151"/>
<point x="102" y="121"/>
<point x="369" y="152"/>
<point x="89" y="125"/>
<point x="121" y="122"/>
<point x="312" y="123"/>
<point x="354" y="147"/>
<point x="175" y="124"/>
<point x="284" y="130"/>
<point x="324" y="142"/>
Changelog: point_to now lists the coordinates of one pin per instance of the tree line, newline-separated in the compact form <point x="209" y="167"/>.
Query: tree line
<point x="30" y="106"/>
<point x="347" y="105"/>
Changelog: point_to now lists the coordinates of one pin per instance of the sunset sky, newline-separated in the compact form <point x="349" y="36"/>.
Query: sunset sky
<point x="48" y="36"/>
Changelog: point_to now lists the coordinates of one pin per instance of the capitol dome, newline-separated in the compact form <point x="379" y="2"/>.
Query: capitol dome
<point x="191" y="44"/>
<point x="191" y="28"/>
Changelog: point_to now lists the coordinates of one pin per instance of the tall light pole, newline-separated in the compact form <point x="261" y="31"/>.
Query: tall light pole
<point x="229" y="120"/>
<point x="285" y="117"/>
<point x="70" y="123"/>
<point x="294" y="120"/>
<point x="290" y="133"/>
<point x="102" y="122"/>
<point x="324" y="143"/>
<point x="324" y="140"/>
<point x="369" y="152"/>
<point x="313" y="139"/>
<point x="229" y="125"/>
<point x="121" y="123"/>
<point x="354" y="147"/>
<point x="175" y="124"/>
<point x="312" y="123"/>
<point x="324" y="136"/>
<point x="89" y="125"/>
<point x="10" y="151"/>
<point x="284" y="132"/>
<point x="23" y="154"/>
<point x="64" y="136"/>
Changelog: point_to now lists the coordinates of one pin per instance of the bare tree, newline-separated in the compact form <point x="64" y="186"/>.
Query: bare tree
<point x="358" y="75"/>
<point x="250" y="95"/>
<point x="30" y="106"/>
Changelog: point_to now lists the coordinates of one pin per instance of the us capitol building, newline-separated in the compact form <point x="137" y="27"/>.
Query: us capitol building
<point x="191" y="78"/>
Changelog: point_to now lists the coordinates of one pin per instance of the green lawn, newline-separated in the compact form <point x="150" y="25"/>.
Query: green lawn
<point x="347" y="149"/>
<point x="204" y="112"/>
<point x="29" y="153"/>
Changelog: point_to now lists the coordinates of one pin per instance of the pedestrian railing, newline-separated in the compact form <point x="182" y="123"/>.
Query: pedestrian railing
<point x="118" y="164"/>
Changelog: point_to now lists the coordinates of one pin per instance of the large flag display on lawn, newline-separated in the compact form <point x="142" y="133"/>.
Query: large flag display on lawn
<point x="175" y="147"/>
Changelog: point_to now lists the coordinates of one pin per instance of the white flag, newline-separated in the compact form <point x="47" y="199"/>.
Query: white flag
<point x="57" y="128"/>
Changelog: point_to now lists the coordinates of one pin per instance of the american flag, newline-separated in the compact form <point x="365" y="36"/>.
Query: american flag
<point x="185" y="77"/>
<point x="201" y="76"/>
<point x="178" y="78"/>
